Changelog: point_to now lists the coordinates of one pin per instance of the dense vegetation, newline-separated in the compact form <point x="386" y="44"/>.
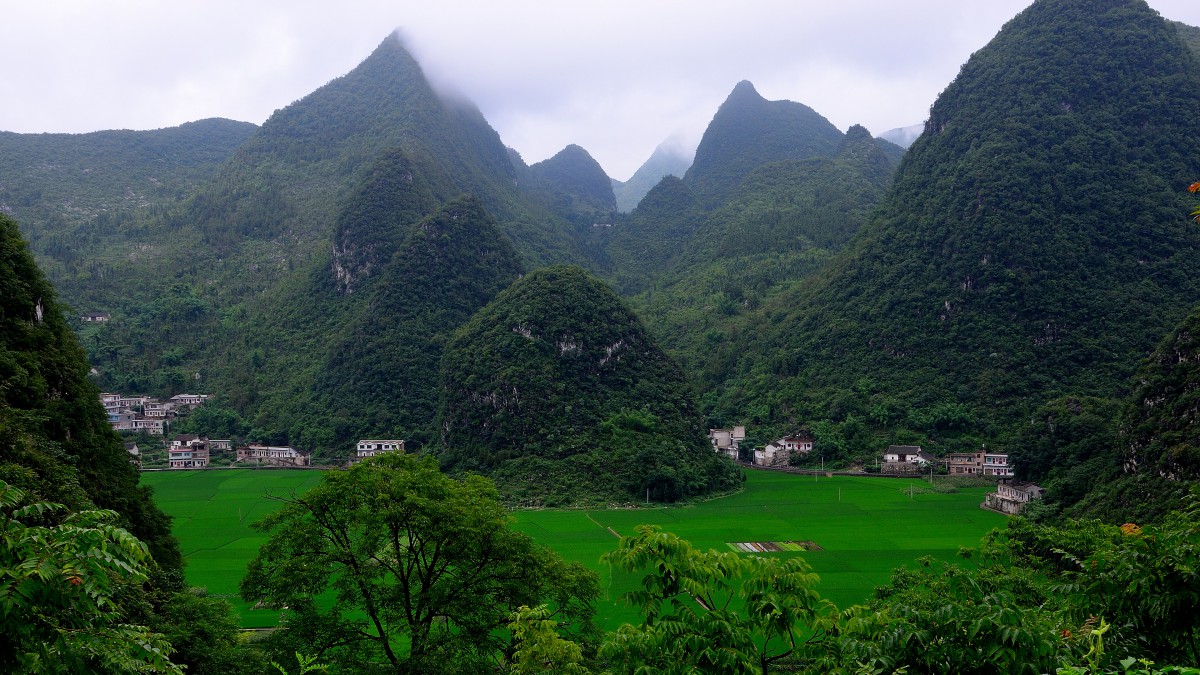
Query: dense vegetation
<point x="577" y="181"/>
<point x="292" y="250"/>
<point x="368" y="242"/>
<point x="424" y="569"/>
<point x="378" y="379"/>
<point x="82" y="198"/>
<point x="991" y="280"/>
<point x="55" y="441"/>
<point x="91" y="575"/>
<point x="749" y="131"/>
<point x="715" y="270"/>
<point x="556" y="389"/>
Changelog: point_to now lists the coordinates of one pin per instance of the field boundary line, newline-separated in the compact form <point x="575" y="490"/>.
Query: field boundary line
<point x="599" y="524"/>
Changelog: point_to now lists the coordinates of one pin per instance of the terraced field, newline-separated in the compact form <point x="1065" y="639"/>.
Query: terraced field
<point x="862" y="528"/>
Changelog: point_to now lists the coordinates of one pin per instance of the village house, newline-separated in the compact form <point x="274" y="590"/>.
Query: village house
<point x="133" y="401"/>
<point x="155" y="408"/>
<point x="135" y="454"/>
<point x="142" y="413"/>
<point x="154" y="427"/>
<point x="781" y="451"/>
<point x="904" y="459"/>
<point x="220" y="444"/>
<point x="1011" y="496"/>
<point x="726" y="441"/>
<point x="95" y="317"/>
<point x="187" y="452"/>
<point x="981" y="463"/>
<point x="271" y="455"/>
<point x="188" y="400"/>
<point x="796" y="443"/>
<point x="370" y="448"/>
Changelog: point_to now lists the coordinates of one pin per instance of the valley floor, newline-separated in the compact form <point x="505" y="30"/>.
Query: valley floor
<point x="865" y="527"/>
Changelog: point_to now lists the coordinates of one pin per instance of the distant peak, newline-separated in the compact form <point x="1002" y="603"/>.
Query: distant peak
<point x="858" y="132"/>
<point x="746" y="90"/>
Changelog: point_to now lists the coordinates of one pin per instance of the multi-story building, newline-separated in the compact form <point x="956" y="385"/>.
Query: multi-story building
<point x="273" y="455"/>
<point x="981" y="463"/>
<point x="187" y="452"/>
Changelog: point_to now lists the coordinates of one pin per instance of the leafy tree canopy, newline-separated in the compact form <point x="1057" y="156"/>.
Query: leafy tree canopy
<point x="394" y="563"/>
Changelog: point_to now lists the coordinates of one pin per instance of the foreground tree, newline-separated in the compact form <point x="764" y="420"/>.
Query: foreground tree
<point x="61" y="580"/>
<point x="713" y="611"/>
<point x="394" y="567"/>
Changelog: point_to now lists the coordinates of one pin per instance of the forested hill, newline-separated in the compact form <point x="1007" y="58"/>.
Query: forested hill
<point x="1191" y="36"/>
<point x="55" y="441"/>
<point x="703" y="275"/>
<point x="297" y="242"/>
<point x="749" y="131"/>
<point x="556" y="389"/>
<point x="576" y="180"/>
<point x="70" y="192"/>
<point x="1035" y="241"/>
<point x="375" y="374"/>
<point x="290" y="176"/>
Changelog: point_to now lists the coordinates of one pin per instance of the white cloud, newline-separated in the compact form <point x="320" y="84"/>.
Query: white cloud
<point x="616" y="77"/>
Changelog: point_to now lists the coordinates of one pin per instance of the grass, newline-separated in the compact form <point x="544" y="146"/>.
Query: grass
<point x="866" y="527"/>
<point x="212" y="512"/>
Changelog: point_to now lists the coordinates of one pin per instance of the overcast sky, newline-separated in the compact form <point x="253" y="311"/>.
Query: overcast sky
<point x="616" y="77"/>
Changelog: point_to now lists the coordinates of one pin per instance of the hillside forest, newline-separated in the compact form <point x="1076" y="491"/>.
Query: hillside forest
<point x="373" y="262"/>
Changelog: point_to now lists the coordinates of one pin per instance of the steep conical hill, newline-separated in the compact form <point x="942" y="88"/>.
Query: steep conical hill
<point x="1035" y="241"/>
<point x="274" y="260"/>
<point x="779" y="209"/>
<point x="643" y="244"/>
<point x="577" y="180"/>
<point x="555" y="388"/>
<point x="394" y="194"/>
<point x="782" y="224"/>
<point x="749" y="131"/>
<point x="379" y="380"/>
<point x="290" y="176"/>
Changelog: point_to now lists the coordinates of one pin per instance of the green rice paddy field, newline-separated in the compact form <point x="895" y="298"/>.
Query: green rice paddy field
<point x="865" y="527"/>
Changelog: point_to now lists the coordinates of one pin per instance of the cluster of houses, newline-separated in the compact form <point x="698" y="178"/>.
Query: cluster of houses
<point x="776" y="453"/>
<point x="1010" y="495"/>
<point x="186" y="451"/>
<point x="143" y="413"/>
<point x="912" y="459"/>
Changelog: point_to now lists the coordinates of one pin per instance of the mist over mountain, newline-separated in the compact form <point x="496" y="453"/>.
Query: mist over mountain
<point x="903" y="136"/>
<point x="668" y="159"/>
<point x="749" y="131"/>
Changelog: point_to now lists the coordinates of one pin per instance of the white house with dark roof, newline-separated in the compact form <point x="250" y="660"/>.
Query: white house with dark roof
<point x="370" y="448"/>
